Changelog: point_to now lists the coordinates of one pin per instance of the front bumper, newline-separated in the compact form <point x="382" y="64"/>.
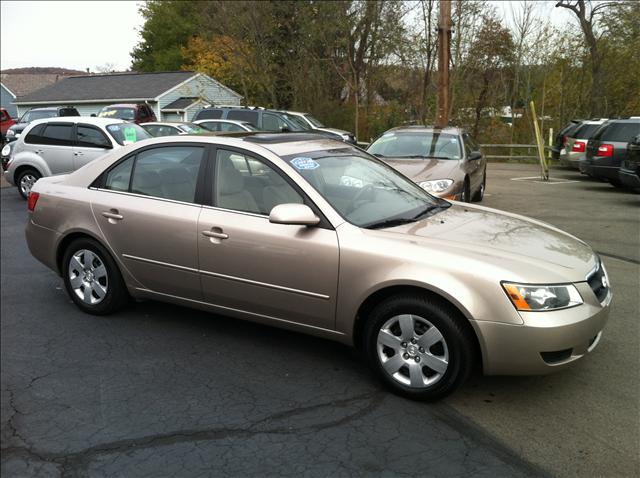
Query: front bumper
<point x="547" y="341"/>
<point x="629" y="178"/>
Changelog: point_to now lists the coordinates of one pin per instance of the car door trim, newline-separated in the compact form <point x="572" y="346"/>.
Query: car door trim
<point x="269" y="317"/>
<point x="127" y="193"/>
<point x="227" y="277"/>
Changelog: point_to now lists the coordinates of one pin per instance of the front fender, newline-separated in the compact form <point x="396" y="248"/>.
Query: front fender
<point x="29" y="159"/>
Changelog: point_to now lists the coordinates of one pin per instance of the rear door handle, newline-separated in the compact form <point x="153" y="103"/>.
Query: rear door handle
<point x="217" y="235"/>
<point x="39" y="151"/>
<point x="113" y="215"/>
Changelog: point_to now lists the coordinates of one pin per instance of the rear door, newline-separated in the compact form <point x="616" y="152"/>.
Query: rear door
<point x="147" y="207"/>
<point x="278" y="272"/>
<point x="54" y="144"/>
<point x="91" y="143"/>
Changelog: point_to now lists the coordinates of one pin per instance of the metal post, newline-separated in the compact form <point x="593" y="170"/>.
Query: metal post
<point x="444" y="42"/>
<point x="550" y="142"/>
<point x="544" y="167"/>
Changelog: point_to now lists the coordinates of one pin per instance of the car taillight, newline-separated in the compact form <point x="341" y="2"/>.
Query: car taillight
<point x="33" y="199"/>
<point x="605" y="150"/>
<point x="578" y="147"/>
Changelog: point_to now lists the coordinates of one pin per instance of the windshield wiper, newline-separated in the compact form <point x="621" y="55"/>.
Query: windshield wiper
<point x="379" y="155"/>
<point x="389" y="223"/>
<point x="426" y="210"/>
<point x="421" y="156"/>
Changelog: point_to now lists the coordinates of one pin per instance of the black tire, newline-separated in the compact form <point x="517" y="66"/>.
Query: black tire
<point x="479" y="195"/>
<point x="459" y="341"/>
<point x="616" y="183"/>
<point x="466" y="191"/>
<point x="116" y="292"/>
<point x="25" y="173"/>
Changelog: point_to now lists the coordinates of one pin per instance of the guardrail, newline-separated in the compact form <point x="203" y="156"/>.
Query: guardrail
<point x="512" y="147"/>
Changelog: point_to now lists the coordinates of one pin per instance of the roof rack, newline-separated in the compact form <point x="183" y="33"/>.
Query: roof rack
<point x="291" y="137"/>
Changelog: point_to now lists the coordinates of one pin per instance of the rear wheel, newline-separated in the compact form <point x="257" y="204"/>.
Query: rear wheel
<point x="92" y="278"/>
<point x="466" y="191"/>
<point x="418" y="346"/>
<point x="617" y="183"/>
<point x="25" y="181"/>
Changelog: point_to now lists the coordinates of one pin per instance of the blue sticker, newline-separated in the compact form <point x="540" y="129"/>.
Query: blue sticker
<point x="302" y="163"/>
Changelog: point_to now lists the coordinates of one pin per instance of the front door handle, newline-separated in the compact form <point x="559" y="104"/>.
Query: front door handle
<point x="78" y="153"/>
<point x="214" y="234"/>
<point x="39" y="151"/>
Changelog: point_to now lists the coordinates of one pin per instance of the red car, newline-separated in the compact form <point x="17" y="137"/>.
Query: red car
<point x="5" y="122"/>
<point x="134" y="112"/>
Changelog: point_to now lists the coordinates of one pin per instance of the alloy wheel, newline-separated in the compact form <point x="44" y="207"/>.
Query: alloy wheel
<point x="26" y="183"/>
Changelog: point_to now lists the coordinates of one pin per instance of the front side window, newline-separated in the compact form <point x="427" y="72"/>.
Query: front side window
<point x="89" y="137"/>
<point x="127" y="133"/>
<point x="417" y="145"/>
<point x="365" y="191"/>
<point x="246" y="184"/>
<point x="58" y="135"/>
<point x="244" y="115"/>
<point x="314" y="121"/>
<point x="169" y="172"/>
<point x="210" y="125"/>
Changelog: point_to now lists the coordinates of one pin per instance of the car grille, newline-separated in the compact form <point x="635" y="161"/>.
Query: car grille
<point x="599" y="282"/>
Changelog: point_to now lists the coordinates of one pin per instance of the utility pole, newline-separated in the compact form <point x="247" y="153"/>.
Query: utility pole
<point x="444" y="43"/>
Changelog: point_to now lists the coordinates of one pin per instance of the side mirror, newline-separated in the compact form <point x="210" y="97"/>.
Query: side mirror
<point x="93" y="115"/>
<point x="284" y="129"/>
<point x="475" y="155"/>
<point x="293" y="214"/>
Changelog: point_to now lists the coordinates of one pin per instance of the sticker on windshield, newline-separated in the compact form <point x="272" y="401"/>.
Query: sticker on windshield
<point x="130" y="135"/>
<point x="303" y="163"/>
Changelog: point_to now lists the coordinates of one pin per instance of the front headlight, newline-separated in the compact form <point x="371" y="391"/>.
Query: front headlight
<point x="10" y="132"/>
<point x="436" y="186"/>
<point x="6" y="151"/>
<point x="533" y="298"/>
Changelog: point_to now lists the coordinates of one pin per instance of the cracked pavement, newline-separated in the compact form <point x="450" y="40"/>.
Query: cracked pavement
<point x="159" y="390"/>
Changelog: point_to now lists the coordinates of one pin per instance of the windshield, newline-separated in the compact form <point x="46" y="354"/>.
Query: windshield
<point x="190" y="128"/>
<point x="118" y="112"/>
<point x="417" y="145"/>
<point x="297" y="124"/>
<point x="30" y="116"/>
<point x="127" y="133"/>
<point x="365" y="191"/>
<point x="314" y="121"/>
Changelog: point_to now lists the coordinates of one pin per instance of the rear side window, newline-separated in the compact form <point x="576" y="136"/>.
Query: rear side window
<point x="620" y="132"/>
<point x="230" y="127"/>
<point x="51" y="134"/>
<point x="243" y="115"/>
<point x="90" y="137"/>
<point x="272" y="122"/>
<point x="208" y="114"/>
<point x="210" y="125"/>
<point x="169" y="172"/>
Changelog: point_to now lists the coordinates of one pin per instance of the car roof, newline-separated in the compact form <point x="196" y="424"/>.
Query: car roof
<point x="123" y="105"/>
<point x="218" y="120"/>
<point x="425" y="129"/>
<point x="92" y="120"/>
<point x="167" y="123"/>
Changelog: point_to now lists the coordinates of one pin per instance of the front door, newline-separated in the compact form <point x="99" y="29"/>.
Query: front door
<point x="283" y="272"/>
<point x="91" y="143"/>
<point x="148" y="214"/>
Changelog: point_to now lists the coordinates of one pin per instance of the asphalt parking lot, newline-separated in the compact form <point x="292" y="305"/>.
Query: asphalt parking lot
<point x="159" y="390"/>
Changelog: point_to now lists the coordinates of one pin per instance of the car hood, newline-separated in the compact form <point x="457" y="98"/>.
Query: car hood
<point x="424" y="169"/>
<point x="335" y="130"/>
<point x="501" y="238"/>
<point x="18" y="127"/>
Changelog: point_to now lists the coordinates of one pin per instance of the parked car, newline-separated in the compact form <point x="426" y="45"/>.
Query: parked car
<point x="61" y="145"/>
<point x="607" y="147"/>
<point x="561" y="138"/>
<point x="16" y="130"/>
<point x="227" y="126"/>
<point x="172" y="129"/>
<point x="445" y="162"/>
<point x="425" y="288"/>
<point x="629" y="172"/>
<point x="260" y="118"/>
<point x="312" y="123"/>
<point x="575" y="145"/>
<point x="135" y="112"/>
<point x="6" y="121"/>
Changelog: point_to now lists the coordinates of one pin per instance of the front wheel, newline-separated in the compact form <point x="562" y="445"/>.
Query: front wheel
<point x="92" y="278"/>
<point x="418" y="346"/>
<point x="25" y="181"/>
<point x="479" y="195"/>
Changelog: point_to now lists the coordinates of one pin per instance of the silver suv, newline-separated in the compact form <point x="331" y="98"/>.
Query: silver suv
<point x="61" y="145"/>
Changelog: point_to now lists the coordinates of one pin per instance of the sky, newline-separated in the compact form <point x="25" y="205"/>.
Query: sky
<point x="89" y="34"/>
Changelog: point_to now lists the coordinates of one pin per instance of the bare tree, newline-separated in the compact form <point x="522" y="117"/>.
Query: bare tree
<point x="587" y="14"/>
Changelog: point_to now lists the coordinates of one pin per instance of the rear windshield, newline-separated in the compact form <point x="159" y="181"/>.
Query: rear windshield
<point x="570" y="128"/>
<point x="30" y="116"/>
<point x="127" y="133"/>
<point x="314" y="121"/>
<point x="118" y="112"/>
<point x="585" y="131"/>
<point x="417" y="146"/>
<point x="620" y="132"/>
